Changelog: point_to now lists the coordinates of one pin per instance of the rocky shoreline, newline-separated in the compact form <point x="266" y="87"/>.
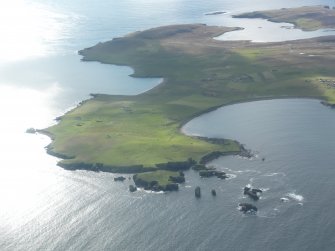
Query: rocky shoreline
<point x="325" y="103"/>
<point x="156" y="187"/>
<point x="170" y="166"/>
<point x="177" y="166"/>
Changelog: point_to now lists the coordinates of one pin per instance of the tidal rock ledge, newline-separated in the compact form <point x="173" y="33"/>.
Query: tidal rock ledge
<point x="253" y="193"/>
<point x="120" y="178"/>
<point x="159" y="181"/>
<point x="247" y="208"/>
<point x="211" y="173"/>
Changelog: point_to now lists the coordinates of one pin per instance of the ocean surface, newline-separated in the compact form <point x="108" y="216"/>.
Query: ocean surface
<point x="43" y="207"/>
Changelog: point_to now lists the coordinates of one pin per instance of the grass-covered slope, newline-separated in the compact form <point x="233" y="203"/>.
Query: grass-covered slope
<point x="121" y="132"/>
<point x="307" y="18"/>
<point x="127" y="133"/>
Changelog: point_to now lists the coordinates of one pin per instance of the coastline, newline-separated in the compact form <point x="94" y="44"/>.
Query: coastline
<point x="134" y="134"/>
<point x="140" y="168"/>
<point x="320" y="98"/>
<point x="137" y="169"/>
<point x="306" y="18"/>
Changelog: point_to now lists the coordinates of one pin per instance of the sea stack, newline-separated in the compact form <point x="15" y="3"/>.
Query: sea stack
<point x="132" y="188"/>
<point x="197" y="192"/>
<point x="120" y="178"/>
<point x="252" y="193"/>
<point x="247" y="208"/>
<point x="213" y="192"/>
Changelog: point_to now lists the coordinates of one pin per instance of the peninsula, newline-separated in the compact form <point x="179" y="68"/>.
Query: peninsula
<point x="307" y="18"/>
<point x="141" y="134"/>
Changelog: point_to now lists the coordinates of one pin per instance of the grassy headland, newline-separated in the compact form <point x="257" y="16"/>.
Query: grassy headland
<point x="307" y="18"/>
<point x="135" y="133"/>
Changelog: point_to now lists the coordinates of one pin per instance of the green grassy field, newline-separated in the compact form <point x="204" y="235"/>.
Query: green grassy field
<point x="124" y="133"/>
<point x="199" y="73"/>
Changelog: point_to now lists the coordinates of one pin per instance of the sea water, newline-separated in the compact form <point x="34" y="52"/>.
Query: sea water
<point x="44" y="207"/>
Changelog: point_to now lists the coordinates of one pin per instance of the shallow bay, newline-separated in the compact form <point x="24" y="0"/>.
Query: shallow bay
<point x="46" y="208"/>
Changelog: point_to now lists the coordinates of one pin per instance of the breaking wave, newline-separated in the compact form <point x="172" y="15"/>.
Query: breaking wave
<point x="296" y="197"/>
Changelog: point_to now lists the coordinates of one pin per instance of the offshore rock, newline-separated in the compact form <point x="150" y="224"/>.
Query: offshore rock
<point x="207" y="173"/>
<point x="197" y="192"/>
<point x="211" y="173"/>
<point x="132" y="188"/>
<point x="213" y="192"/>
<point x="247" y="208"/>
<point x="31" y="130"/>
<point x="256" y="190"/>
<point x="154" y="185"/>
<point x="120" y="178"/>
<point x="221" y="175"/>
<point x="252" y="193"/>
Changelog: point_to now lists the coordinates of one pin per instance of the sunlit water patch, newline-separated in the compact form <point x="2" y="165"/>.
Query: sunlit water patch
<point x="44" y="207"/>
<point x="28" y="28"/>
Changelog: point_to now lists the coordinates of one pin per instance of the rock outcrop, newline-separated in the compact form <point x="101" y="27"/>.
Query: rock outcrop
<point x="256" y="190"/>
<point x="197" y="192"/>
<point x="132" y="188"/>
<point x="211" y="173"/>
<point x="213" y="192"/>
<point x="252" y="192"/>
<point x="98" y="167"/>
<point x="171" y="187"/>
<point x="176" y="166"/>
<point x="211" y="156"/>
<point x="247" y="208"/>
<point x="328" y="104"/>
<point x="31" y="130"/>
<point x="199" y="167"/>
<point x="120" y="178"/>
<point x="154" y="185"/>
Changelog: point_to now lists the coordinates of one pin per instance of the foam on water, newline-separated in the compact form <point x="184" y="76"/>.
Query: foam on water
<point x="284" y="199"/>
<point x="231" y="176"/>
<point x="149" y="191"/>
<point x="296" y="197"/>
<point x="243" y="171"/>
<point x="274" y="174"/>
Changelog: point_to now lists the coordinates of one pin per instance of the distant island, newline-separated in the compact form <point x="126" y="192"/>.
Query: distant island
<point x="141" y="134"/>
<point x="307" y="18"/>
